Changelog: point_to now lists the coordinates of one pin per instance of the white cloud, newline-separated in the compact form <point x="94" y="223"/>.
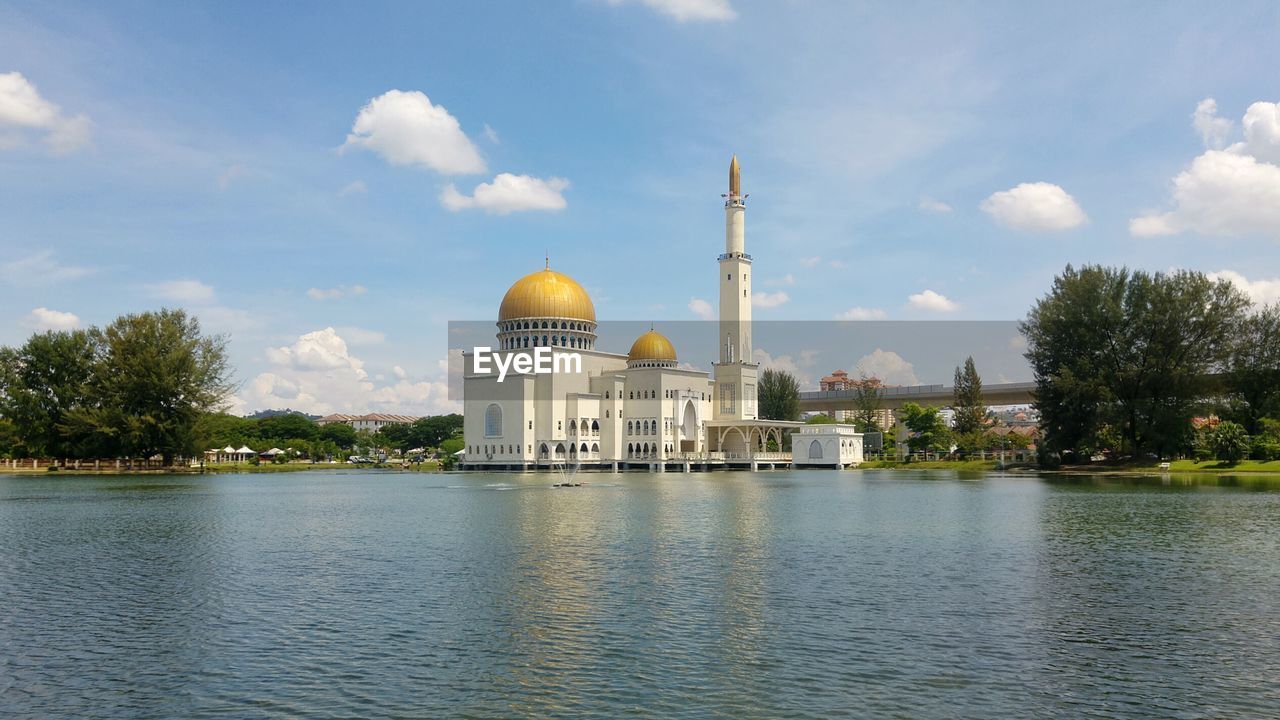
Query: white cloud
<point x="769" y="300"/>
<point x="928" y="204"/>
<point x="42" y="319"/>
<point x="183" y="291"/>
<point x="861" y="313"/>
<point x="1224" y="192"/>
<point x="702" y="308"/>
<point x="687" y="10"/>
<point x="334" y="293"/>
<point x="318" y="374"/>
<point x="889" y="367"/>
<point x="23" y="110"/>
<point x="356" y="187"/>
<point x="1261" y="292"/>
<point x="1038" y="206"/>
<point x="509" y="193"/>
<point x="491" y="135"/>
<point x="319" y="350"/>
<point x="1213" y="130"/>
<point x="406" y="129"/>
<point x="810" y="261"/>
<point x="39" y="269"/>
<point x="787" y="280"/>
<point x="932" y="301"/>
<point x="1261" y="132"/>
<point x="800" y="368"/>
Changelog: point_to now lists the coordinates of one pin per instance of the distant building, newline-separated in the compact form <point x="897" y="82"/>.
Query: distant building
<point x="371" y="421"/>
<point x="840" y="380"/>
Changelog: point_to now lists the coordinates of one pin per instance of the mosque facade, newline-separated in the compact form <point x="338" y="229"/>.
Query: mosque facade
<point x="638" y="409"/>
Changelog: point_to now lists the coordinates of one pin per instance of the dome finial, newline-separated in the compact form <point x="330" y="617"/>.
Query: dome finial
<point x="548" y="258"/>
<point x="735" y="178"/>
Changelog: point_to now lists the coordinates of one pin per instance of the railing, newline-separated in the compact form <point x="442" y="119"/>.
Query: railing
<point x="735" y="456"/>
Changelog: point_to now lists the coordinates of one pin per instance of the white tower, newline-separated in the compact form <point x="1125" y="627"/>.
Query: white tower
<point x="735" y="374"/>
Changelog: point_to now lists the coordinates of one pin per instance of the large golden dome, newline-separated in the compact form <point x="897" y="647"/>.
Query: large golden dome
<point x="652" y="346"/>
<point x="546" y="294"/>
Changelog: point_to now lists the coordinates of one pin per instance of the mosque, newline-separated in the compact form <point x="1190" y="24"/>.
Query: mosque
<point x="641" y="409"/>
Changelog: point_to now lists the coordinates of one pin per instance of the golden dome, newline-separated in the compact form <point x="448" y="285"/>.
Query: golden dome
<point x="547" y="294"/>
<point x="652" y="346"/>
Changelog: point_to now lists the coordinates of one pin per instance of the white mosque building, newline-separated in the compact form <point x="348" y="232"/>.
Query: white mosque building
<point x="634" y="410"/>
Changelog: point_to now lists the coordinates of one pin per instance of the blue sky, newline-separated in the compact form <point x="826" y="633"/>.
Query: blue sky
<point x="915" y="161"/>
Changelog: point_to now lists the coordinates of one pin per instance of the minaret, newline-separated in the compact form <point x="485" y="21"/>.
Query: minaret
<point x="735" y="373"/>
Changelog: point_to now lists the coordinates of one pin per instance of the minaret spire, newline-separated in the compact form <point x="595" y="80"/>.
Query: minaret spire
<point x="735" y="374"/>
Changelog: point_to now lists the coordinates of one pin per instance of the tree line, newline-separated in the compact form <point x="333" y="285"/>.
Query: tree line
<point x="153" y="384"/>
<point x="308" y="439"/>
<point x="1125" y="360"/>
<point x="136" y="388"/>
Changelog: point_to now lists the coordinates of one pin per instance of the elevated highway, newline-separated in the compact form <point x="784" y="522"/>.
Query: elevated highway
<point x="893" y="398"/>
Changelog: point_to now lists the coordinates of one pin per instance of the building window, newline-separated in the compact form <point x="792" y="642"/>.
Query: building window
<point x="493" y="421"/>
<point x="728" y="399"/>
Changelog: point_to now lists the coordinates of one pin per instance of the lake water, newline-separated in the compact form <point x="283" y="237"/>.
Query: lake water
<point x="775" y="595"/>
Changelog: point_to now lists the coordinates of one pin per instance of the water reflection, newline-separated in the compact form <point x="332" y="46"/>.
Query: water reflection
<point x="808" y="594"/>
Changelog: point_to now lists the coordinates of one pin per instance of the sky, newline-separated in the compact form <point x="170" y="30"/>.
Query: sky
<point x="331" y="184"/>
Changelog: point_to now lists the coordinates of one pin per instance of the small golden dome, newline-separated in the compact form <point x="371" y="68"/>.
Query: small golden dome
<point x="652" y="346"/>
<point x="546" y="294"/>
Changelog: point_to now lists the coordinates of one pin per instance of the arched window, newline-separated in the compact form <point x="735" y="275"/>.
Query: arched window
<point x="573" y="426"/>
<point x="631" y="395"/>
<point x="544" y="340"/>
<point x="564" y="340"/>
<point x="544" y="326"/>
<point x="815" y="450"/>
<point x="583" y="448"/>
<point x="629" y="432"/>
<point x="493" y="420"/>
<point x="595" y="426"/>
<point x="554" y="325"/>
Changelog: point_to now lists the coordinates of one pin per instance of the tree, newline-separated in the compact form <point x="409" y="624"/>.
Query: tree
<point x="779" y="395"/>
<point x="219" y="429"/>
<point x="153" y="377"/>
<point x="966" y="401"/>
<point x="928" y="429"/>
<point x="867" y="401"/>
<point x="1253" y="370"/>
<point x="430" y="431"/>
<point x="1229" y="442"/>
<point x="287" y="425"/>
<point x="340" y="434"/>
<point x="1121" y="359"/>
<point x="41" y="383"/>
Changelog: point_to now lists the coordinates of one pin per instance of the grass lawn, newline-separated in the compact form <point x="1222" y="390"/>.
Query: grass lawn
<point x="1217" y="466"/>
